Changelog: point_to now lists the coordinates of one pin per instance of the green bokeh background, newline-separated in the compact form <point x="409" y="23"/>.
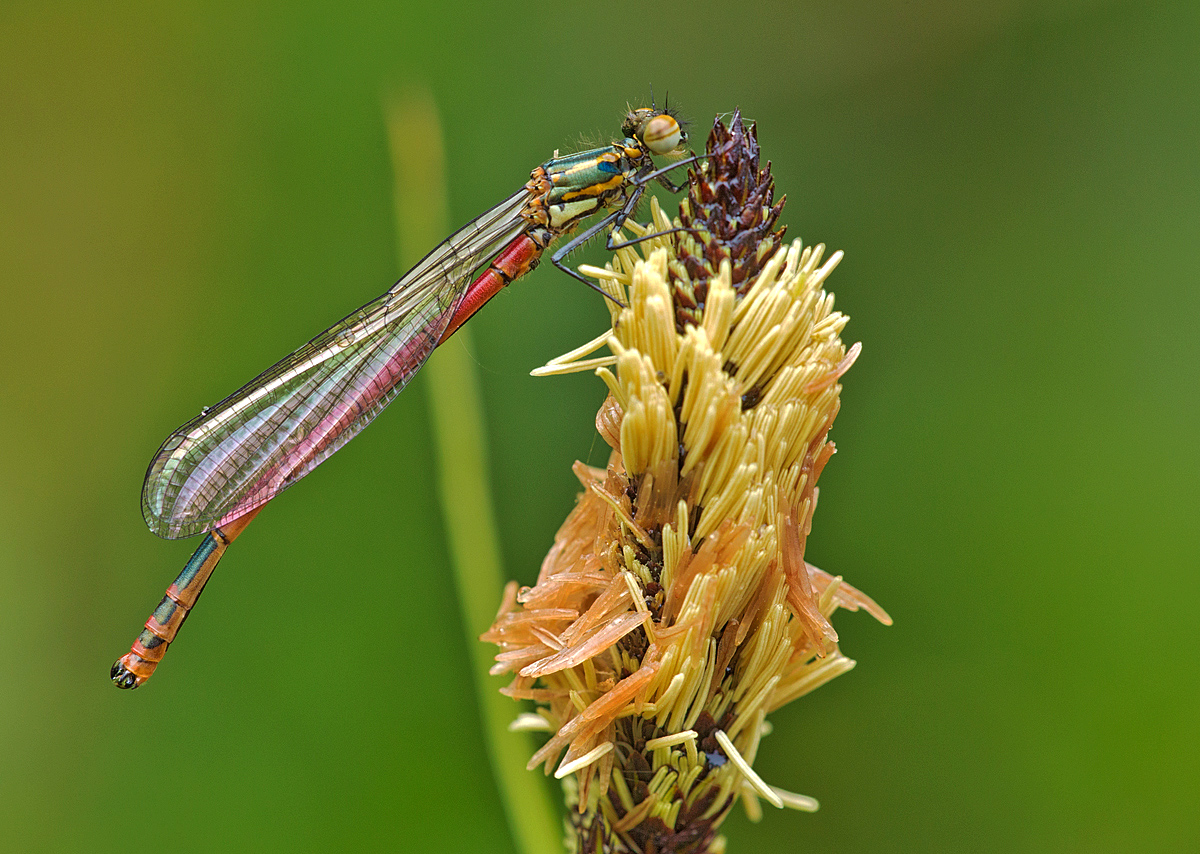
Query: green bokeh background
<point x="189" y="191"/>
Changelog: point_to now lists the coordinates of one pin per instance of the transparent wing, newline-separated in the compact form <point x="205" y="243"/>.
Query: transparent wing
<point x="277" y="428"/>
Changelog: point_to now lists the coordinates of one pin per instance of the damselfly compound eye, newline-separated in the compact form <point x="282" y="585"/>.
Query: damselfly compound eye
<point x="663" y="135"/>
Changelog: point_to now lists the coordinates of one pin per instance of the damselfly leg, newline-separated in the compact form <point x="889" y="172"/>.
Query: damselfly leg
<point x="613" y="222"/>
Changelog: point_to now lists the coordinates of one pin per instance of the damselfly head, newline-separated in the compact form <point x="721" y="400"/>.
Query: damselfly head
<point x="658" y="130"/>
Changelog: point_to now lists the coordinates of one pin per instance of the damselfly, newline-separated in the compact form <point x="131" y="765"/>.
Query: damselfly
<point x="217" y="471"/>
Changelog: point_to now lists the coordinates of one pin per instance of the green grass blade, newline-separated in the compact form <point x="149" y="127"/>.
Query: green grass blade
<point x="464" y="491"/>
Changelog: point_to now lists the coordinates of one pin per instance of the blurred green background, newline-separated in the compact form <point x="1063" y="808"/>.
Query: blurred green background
<point x="189" y="191"/>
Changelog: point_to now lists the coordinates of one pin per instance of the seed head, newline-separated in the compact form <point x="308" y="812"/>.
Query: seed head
<point x="675" y="609"/>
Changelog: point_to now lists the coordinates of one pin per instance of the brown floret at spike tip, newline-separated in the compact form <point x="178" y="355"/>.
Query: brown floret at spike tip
<point x="730" y="207"/>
